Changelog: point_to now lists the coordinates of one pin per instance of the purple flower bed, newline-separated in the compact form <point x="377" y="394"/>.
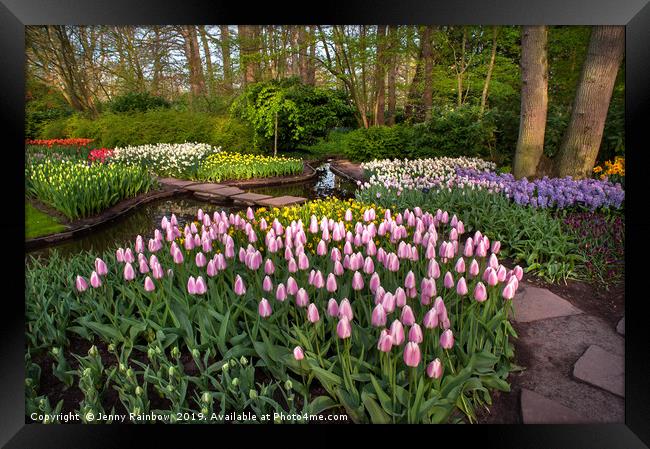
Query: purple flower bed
<point x="552" y="192"/>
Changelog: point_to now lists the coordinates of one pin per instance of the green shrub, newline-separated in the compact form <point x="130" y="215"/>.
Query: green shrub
<point x="137" y="102"/>
<point x="233" y="135"/>
<point x="304" y="112"/>
<point x="334" y="144"/>
<point x="378" y="142"/>
<point x="452" y="132"/>
<point x="54" y="129"/>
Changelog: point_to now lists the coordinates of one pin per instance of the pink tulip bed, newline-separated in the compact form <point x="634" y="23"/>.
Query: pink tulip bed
<point x="333" y="307"/>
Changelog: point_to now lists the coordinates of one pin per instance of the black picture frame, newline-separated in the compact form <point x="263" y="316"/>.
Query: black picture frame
<point x="634" y="14"/>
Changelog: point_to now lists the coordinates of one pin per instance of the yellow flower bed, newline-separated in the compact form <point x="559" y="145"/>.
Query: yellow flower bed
<point x="611" y="168"/>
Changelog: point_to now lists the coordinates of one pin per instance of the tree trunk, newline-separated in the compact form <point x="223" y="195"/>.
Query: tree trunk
<point x="534" y="101"/>
<point x="225" y="57"/>
<point x="248" y="52"/>
<point x="302" y="54"/>
<point x="197" y="81"/>
<point x="208" y="59"/>
<point x="380" y="76"/>
<point x="582" y="139"/>
<point x="311" y="62"/>
<point x="392" y="74"/>
<point x="427" y="54"/>
<point x="486" y="85"/>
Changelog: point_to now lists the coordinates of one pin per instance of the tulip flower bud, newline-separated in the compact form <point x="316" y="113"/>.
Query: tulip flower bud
<point x="357" y="281"/>
<point x="447" y="339"/>
<point x="412" y="354"/>
<point x="345" y="310"/>
<point x="302" y="299"/>
<point x="430" y="320"/>
<point x="449" y="280"/>
<point x="332" y="307"/>
<point x="298" y="353"/>
<point x="344" y="328"/>
<point x="397" y="332"/>
<point x="240" y="287"/>
<point x="461" y="287"/>
<point x="264" y="308"/>
<point x="206" y="398"/>
<point x="148" y="284"/>
<point x="407" y="317"/>
<point x="312" y="313"/>
<point x="95" y="280"/>
<point x="415" y="333"/>
<point x="480" y="293"/>
<point x="129" y="272"/>
<point x="434" y="369"/>
<point x="378" y="316"/>
<point x="509" y="291"/>
<point x="385" y="342"/>
<point x="281" y="292"/>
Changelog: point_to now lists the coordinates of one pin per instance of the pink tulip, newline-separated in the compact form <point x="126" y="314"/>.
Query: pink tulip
<point x="191" y="285"/>
<point x="501" y="273"/>
<point x="240" y="287"/>
<point x="397" y="332"/>
<point x="469" y="247"/>
<point x="460" y="265"/>
<point x="519" y="272"/>
<point x="95" y="281"/>
<point x="302" y="299"/>
<point x="480" y="249"/>
<point x="492" y="278"/>
<point x="447" y="339"/>
<point x="509" y="291"/>
<point x="318" y="282"/>
<point x="474" y="268"/>
<point x="100" y="267"/>
<point x="344" y="328"/>
<point x="81" y="284"/>
<point x="493" y="261"/>
<point x="449" y="280"/>
<point x="345" y="309"/>
<point x="415" y="334"/>
<point x="430" y="320"/>
<point x="280" y="292"/>
<point x="461" y="287"/>
<point x="338" y="268"/>
<point x="434" y="369"/>
<point x="400" y="297"/>
<point x="332" y="307"/>
<point x="250" y="214"/>
<point x="357" y="281"/>
<point x="412" y="354"/>
<point x="496" y="247"/>
<point x="292" y="266"/>
<point x="385" y="342"/>
<point x="368" y="266"/>
<point x="129" y="272"/>
<point x="264" y="308"/>
<point x="178" y="256"/>
<point x="269" y="268"/>
<point x="201" y="288"/>
<point x="303" y="261"/>
<point x="119" y="254"/>
<point x="128" y="256"/>
<point x="388" y="302"/>
<point x="212" y="270"/>
<point x="312" y="313"/>
<point x="292" y="286"/>
<point x="267" y="284"/>
<point x="378" y="316"/>
<point x="157" y="271"/>
<point x="433" y="270"/>
<point x="298" y="353"/>
<point x="407" y="317"/>
<point x="409" y="282"/>
<point x="148" y="284"/>
<point x="480" y="293"/>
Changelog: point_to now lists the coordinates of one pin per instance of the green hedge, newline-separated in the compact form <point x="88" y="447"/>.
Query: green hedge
<point x="151" y="127"/>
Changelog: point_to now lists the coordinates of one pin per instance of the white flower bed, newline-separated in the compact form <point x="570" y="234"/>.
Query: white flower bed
<point x="165" y="159"/>
<point x="429" y="173"/>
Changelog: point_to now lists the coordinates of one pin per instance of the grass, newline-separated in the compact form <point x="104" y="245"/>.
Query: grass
<point x="38" y="224"/>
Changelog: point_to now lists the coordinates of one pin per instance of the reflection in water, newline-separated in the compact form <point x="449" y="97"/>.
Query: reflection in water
<point x="146" y="218"/>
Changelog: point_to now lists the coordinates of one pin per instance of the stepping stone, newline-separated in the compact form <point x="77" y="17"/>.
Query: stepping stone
<point x="533" y="303"/>
<point x="176" y="182"/>
<point x="211" y="197"/>
<point x="282" y="201"/>
<point x="205" y="187"/>
<point x="602" y="369"/>
<point x="537" y="409"/>
<point x="620" y="328"/>
<point x="227" y="191"/>
<point x="250" y="198"/>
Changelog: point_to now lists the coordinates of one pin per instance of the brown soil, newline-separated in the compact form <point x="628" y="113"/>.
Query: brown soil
<point x="348" y="169"/>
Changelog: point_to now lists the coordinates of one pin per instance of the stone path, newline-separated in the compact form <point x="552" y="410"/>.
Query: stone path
<point x="218" y="192"/>
<point x="574" y="362"/>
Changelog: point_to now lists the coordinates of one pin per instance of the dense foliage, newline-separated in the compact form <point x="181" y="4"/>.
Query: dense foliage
<point x="304" y="112"/>
<point x="137" y="102"/>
